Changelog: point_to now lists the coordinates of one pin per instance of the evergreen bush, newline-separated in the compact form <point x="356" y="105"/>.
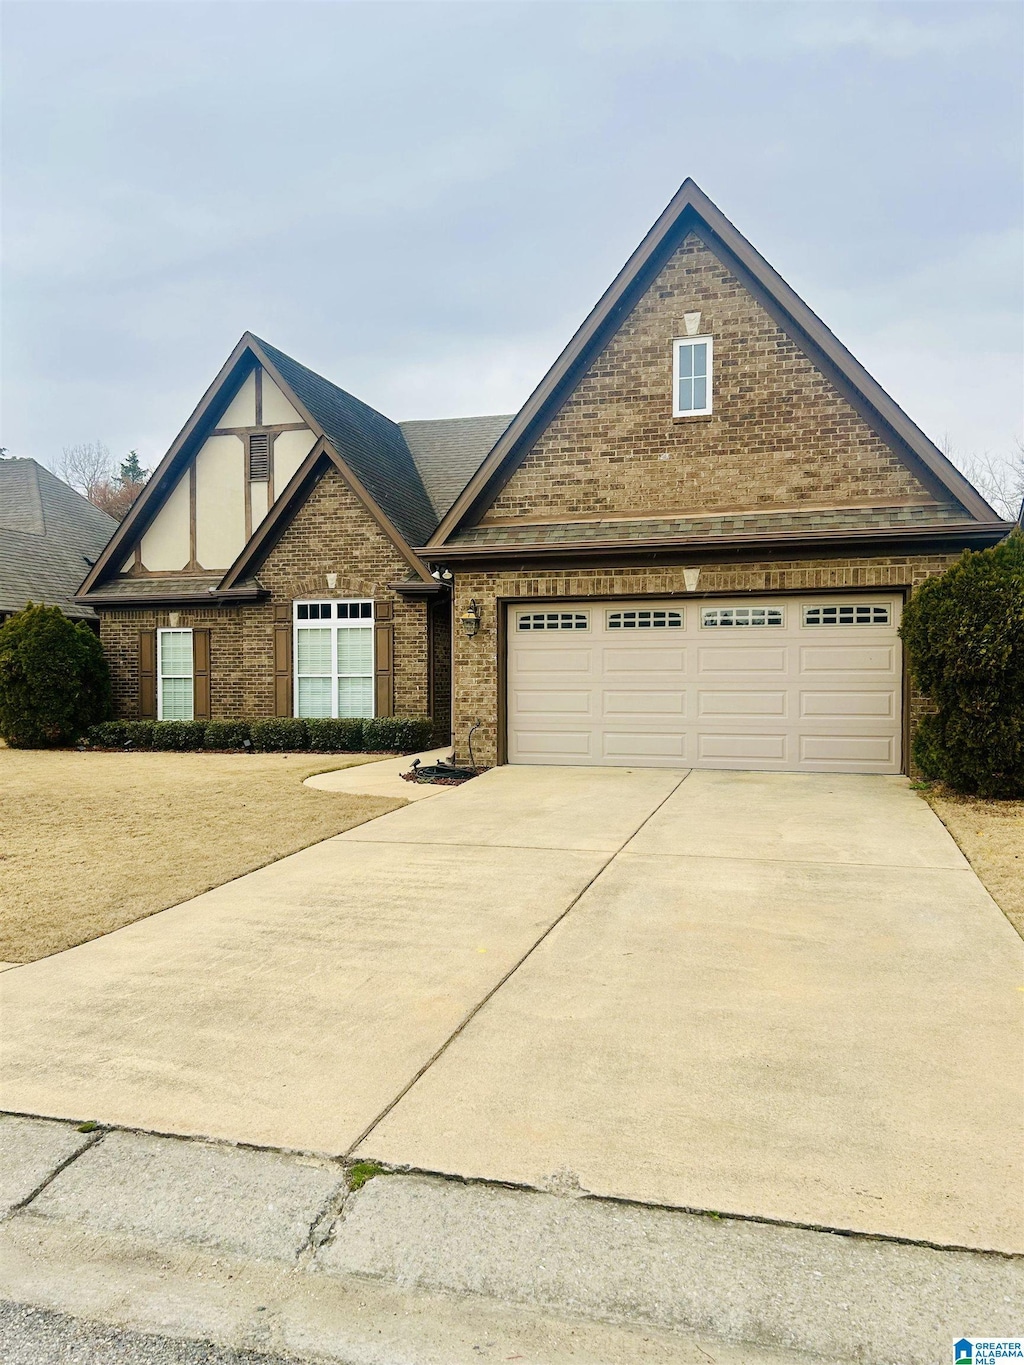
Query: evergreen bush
<point x="282" y="734"/>
<point x="179" y="736"/>
<point x="54" y="681"/>
<point x="227" y="734"/>
<point x="964" y="634"/>
<point x="398" y="734"/>
<point x="328" y="736"/>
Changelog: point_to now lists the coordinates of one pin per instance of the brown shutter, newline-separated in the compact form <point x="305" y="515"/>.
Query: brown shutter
<point x="383" y="659"/>
<point x="147" y="674"/>
<point x="282" y="658"/>
<point x="201" y="674"/>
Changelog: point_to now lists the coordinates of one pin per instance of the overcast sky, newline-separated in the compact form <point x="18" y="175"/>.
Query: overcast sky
<point x="423" y="200"/>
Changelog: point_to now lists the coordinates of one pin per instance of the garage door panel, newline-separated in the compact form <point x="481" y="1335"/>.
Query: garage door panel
<point x="739" y="659"/>
<point x="634" y="703"/>
<point x="652" y="660"/>
<point x="750" y="703"/>
<point x="746" y="745"/>
<point x="792" y="684"/>
<point x="639" y="746"/>
<point x="554" y="745"/>
<point x="847" y="748"/>
<point x="846" y="704"/>
<point x="848" y="659"/>
<point x="554" y="660"/>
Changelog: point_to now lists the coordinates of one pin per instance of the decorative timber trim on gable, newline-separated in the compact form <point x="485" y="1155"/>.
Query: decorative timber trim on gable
<point x="691" y="210"/>
<point x="248" y="354"/>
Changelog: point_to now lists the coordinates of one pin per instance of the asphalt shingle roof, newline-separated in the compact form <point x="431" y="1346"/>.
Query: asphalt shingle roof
<point x="369" y="442"/>
<point x="449" y="450"/>
<point x="49" y="537"/>
<point x="702" y="528"/>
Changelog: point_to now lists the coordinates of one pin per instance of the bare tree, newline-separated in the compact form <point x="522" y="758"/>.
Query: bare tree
<point x="86" y="467"/>
<point x="998" y="478"/>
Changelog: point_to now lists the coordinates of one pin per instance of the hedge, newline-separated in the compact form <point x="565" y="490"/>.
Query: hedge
<point x="54" y="681"/>
<point x="279" y="734"/>
<point x="964" y="634"/>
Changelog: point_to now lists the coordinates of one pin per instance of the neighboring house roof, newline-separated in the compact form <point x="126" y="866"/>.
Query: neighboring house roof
<point x="49" y="538"/>
<point x="448" y="451"/>
<point x="691" y="210"/>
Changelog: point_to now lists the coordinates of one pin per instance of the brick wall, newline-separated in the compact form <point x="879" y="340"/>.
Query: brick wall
<point x="780" y="435"/>
<point x="477" y="680"/>
<point x="331" y="533"/>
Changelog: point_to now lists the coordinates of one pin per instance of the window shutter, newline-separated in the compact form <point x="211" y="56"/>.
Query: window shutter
<point x="201" y="674"/>
<point x="282" y="658"/>
<point x="383" y="659"/>
<point x="147" y="674"/>
<point x="259" y="457"/>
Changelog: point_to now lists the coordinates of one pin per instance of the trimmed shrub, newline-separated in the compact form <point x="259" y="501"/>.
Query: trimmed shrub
<point x="399" y="734"/>
<point x="226" y="734"/>
<point x="109" y="734"/>
<point x="335" y="736"/>
<point x="283" y="734"/>
<point x="964" y="633"/>
<point x="54" y="681"/>
<point x="181" y="736"/>
<point x="139" y="733"/>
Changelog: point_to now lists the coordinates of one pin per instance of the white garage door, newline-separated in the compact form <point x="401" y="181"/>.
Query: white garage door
<point x="794" y="684"/>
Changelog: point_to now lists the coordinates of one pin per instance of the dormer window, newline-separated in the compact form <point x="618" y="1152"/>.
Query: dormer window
<point x="692" y="376"/>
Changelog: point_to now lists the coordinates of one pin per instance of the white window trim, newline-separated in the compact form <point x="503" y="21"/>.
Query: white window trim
<point x="191" y="674"/>
<point x="677" y="344"/>
<point x="333" y="624"/>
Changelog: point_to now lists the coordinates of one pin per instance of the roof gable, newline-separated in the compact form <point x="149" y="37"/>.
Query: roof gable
<point x="691" y="211"/>
<point x="368" y="449"/>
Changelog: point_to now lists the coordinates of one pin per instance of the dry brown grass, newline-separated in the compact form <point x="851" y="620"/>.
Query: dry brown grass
<point x="991" y="835"/>
<point x="90" y="842"/>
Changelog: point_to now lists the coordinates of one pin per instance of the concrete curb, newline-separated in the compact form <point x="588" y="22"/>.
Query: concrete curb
<point x="165" y="1234"/>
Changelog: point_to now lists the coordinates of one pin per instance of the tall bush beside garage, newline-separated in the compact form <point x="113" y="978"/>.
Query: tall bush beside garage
<point x="964" y="633"/>
<point x="54" y="681"/>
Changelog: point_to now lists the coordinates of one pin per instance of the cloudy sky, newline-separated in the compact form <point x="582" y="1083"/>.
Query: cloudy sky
<point x="423" y="200"/>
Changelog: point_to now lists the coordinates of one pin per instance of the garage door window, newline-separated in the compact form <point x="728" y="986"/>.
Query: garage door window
<point x="553" y="620"/>
<point x="741" y="616"/>
<point x="848" y="614"/>
<point x="645" y="620"/>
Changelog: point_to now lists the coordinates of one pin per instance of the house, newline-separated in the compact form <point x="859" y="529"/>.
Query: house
<point x="50" y="536"/>
<point x="690" y="547"/>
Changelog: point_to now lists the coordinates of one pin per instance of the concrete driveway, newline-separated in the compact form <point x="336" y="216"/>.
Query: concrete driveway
<point x="774" y="995"/>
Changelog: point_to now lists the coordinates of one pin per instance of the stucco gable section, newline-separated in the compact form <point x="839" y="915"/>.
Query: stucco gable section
<point x="780" y="434"/>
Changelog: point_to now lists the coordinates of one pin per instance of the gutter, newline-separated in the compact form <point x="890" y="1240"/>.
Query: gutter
<point x="213" y="597"/>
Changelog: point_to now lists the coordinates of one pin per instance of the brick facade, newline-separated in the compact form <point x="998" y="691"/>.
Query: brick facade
<point x="780" y="434"/>
<point x="478" y="679"/>
<point x="330" y="533"/>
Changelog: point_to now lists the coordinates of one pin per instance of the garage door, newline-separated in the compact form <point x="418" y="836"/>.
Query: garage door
<point x="792" y="684"/>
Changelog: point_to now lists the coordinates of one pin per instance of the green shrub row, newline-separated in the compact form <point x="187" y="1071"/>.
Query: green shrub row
<point x="284" y="734"/>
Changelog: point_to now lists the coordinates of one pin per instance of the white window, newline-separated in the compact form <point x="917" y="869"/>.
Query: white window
<point x="553" y="620"/>
<point x="174" y="675"/>
<point x="692" y="376"/>
<point x="645" y="620"/>
<point x="333" y="659"/>
<point x="741" y="616"/>
<point x="847" y="614"/>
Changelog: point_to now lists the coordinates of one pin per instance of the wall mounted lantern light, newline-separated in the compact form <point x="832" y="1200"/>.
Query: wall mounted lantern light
<point x="470" y="619"/>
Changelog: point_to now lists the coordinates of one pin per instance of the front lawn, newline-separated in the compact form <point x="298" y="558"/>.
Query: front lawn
<point x="991" y="836"/>
<point x="92" y="841"/>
